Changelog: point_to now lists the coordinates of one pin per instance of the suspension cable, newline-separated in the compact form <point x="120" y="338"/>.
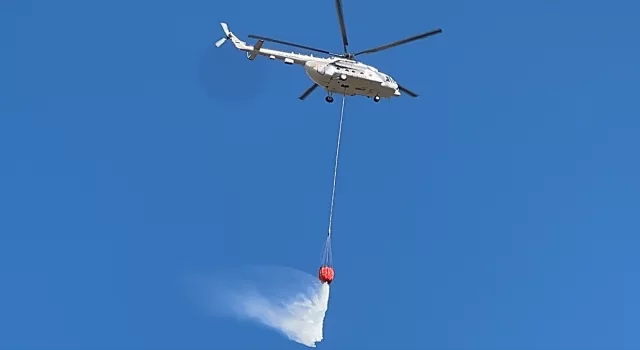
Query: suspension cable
<point x="335" y="169"/>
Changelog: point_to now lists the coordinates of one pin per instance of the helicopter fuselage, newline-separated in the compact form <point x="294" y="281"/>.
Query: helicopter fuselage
<point x="351" y="78"/>
<point x="335" y="74"/>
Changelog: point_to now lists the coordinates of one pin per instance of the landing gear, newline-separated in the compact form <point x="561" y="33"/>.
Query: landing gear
<point x="376" y="98"/>
<point x="329" y="99"/>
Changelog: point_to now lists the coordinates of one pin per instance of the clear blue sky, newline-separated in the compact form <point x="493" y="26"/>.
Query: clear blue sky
<point x="497" y="211"/>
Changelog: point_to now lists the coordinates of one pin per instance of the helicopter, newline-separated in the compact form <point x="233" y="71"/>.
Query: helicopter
<point x="339" y="73"/>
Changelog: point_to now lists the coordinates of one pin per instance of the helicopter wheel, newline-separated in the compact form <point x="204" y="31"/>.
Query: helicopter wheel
<point x="329" y="99"/>
<point x="376" y="99"/>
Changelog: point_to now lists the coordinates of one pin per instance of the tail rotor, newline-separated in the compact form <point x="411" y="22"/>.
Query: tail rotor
<point x="227" y="35"/>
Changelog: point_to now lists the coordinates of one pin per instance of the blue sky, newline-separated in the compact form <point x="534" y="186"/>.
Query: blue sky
<point x="497" y="211"/>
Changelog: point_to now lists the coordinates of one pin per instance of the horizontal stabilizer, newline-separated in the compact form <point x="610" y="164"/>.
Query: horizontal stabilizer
<point x="253" y="54"/>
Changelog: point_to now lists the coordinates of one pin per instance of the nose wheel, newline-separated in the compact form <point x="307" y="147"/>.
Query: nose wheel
<point x="329" y="99"/>
<point x="376" y="99"/>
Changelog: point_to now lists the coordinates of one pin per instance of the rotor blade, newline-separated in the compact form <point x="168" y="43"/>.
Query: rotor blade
<point x="220" y="42"/>
<point x="290" y="44"/>
<point x="225" y="28"/>
<point x="343" y="28"/>
<point x="400" y="42"/>
<point x="308" y="91"/>
<point x="407" y="91"/>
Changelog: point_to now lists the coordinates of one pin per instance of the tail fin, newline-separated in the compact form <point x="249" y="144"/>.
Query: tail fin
<point x="229" y="35"/>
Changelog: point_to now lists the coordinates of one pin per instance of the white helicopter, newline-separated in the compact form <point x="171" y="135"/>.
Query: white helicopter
<point x="341" y="73"/>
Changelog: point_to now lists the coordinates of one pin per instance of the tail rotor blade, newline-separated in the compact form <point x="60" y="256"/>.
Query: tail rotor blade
<point x="308" y="92"/>
<point x="220" y="42"/>
<point x="225" y="28"/>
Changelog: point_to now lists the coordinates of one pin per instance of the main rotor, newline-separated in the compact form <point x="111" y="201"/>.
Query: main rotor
<point x="345" y="42"/>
